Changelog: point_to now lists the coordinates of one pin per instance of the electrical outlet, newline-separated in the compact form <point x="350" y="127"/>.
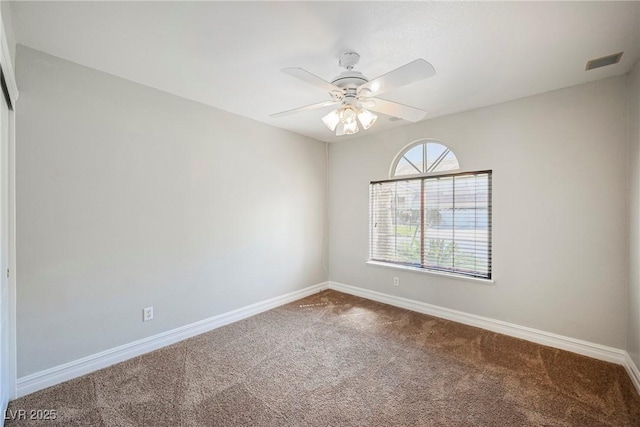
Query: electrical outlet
<point x="396" y="281"/>
<point x="147" y="314"/>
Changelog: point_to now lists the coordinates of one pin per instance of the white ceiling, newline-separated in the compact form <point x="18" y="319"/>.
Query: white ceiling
<point x="229" y="54"/>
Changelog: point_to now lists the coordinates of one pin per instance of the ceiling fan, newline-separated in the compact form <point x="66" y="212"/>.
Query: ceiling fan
<point x="356" y="95"/>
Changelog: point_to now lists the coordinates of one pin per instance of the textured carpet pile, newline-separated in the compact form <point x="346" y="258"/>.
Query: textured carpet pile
<point x="337" y="360"/>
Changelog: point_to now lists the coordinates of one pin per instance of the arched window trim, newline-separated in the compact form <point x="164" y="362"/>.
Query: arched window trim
<point x="408" y="147"/>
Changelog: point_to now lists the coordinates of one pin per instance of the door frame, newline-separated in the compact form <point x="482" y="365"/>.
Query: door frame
<point x="6" y="65"/>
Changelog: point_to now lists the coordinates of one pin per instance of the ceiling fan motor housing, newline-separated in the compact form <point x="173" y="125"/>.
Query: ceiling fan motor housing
<point x="350" y="80"/>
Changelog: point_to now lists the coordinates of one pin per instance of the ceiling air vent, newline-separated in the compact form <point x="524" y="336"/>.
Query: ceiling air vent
<point x="604" y="61"/>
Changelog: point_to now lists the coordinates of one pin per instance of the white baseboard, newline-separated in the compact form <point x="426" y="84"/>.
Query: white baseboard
<point x="632" y="370"/>
<point x="58" y="374"/>
<point x="574" y="345"/>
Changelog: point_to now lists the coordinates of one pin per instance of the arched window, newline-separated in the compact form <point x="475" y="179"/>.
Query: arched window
<point x="427" y="221"/>
<point x="424" y="157"/>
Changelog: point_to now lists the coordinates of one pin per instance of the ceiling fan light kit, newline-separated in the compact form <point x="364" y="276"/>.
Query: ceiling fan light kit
<point x="348" y="116"/>
<point x="352" y="91"/>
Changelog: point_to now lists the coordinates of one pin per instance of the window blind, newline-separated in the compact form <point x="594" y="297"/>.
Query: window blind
<point x="440" y="223"/>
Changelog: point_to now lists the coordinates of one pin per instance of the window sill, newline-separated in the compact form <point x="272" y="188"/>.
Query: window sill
<point x="424" y="271"/>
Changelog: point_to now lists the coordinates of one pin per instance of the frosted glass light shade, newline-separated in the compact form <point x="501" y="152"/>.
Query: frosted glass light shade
<point x="332" y="119"/>
<point x="351" y="127"/>
<point x="347" y="114"/>
<point x="367" y="118"/>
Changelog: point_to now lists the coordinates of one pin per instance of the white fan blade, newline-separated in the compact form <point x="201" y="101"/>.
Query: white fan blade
<point x="396" y="109"/>
<point x="402" y="76"/>
<point x="310" y="78"/>
<point x="306" y="108"/>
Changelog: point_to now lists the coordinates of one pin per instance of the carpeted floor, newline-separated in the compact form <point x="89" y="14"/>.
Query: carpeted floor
<point x="337" y="360"/>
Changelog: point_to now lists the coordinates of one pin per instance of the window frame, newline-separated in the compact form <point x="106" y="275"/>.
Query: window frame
<point x="429" y="270"/>
<point x="409" y="147"/>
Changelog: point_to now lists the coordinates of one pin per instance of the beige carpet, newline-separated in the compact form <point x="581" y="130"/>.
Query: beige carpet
<point x="337" y="360"/>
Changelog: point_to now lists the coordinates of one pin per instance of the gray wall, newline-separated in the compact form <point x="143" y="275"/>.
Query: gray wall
<point x="633" y="337"/>
<point x="131" y="197"/>
<point x="559" y="217"/>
